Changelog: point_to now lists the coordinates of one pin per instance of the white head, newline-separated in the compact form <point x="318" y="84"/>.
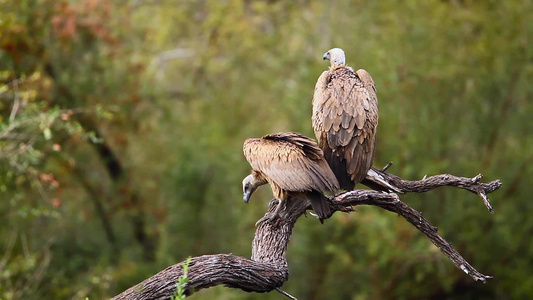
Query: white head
<point x="249" y="185"/>
<point x="336" y="57"/>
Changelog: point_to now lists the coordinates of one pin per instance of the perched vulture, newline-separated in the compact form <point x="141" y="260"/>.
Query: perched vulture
<point x="294" y="166"/>
<point x="345" y="118"/>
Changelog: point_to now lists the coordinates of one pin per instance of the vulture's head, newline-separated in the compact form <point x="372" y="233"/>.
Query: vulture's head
<point x="249" y="185"/>
<point x="336" y="57"/>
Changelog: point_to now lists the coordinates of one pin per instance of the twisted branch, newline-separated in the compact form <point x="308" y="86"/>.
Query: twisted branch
<point x="380" y="180"/>
<point x="267" y="270"/>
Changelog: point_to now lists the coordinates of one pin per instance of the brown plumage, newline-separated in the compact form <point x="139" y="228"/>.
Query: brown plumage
<point x="345" y="119"/>
<point x="294" y="166"/>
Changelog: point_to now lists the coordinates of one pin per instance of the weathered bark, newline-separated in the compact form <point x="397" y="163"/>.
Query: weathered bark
<point x="210" y="270"/>
<point x="268" y="269"/>
<point x="380" y="180"/>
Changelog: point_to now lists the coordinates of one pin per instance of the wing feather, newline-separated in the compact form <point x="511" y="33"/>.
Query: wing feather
<point x="345" y="117"/>
<point x="292" y="161"/>
<point x="337" y="120"/>
<point x="344" y="137"/>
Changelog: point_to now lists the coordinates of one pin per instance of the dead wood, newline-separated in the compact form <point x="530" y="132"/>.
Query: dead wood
<point x="267" y="269"/>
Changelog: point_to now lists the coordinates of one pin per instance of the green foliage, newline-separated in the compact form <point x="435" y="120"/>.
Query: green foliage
<point x="121" y="127"/>
<point x="182" y="282"/>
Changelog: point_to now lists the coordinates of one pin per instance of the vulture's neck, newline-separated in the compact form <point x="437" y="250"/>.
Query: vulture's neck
<point x="335" y="68"/>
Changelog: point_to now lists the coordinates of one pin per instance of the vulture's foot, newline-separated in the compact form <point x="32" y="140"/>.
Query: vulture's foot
<point x="272" y="216"/>
<point x="266" y="217"/>
<point x="273" y="201"/>
<point x="278" y="209"/>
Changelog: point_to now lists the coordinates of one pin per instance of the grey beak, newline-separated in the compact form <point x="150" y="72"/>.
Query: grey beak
<point x="326" y="56"/>
<point x="246" y="196"/>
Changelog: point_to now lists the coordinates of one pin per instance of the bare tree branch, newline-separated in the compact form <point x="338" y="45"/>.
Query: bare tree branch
<point x="16" y="101"/>
<point x="380" y="180"/>
<point x="267" y="270"/>
<point x="414" y="217"/>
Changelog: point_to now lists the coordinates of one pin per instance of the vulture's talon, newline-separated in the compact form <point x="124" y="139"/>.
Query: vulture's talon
<point x="272" y="202"/>
<point x="281" y="205"/>
<point x="272" y="218"/>
<point x="267" y="216"/>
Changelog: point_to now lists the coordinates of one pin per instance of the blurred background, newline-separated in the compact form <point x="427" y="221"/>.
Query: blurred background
<point x="122" y="122"/>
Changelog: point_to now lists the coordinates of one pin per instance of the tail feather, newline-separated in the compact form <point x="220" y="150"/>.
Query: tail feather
<point x="339" y="167"/>
<point x="320" y="205"/>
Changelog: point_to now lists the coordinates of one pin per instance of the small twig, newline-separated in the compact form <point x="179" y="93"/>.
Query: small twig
<point x="379" y="182"/>
<point x="387" y="166"/>
<point x="486" y="201"/>
<point x="477" y="178"/>
<point x="286" y="294"/>
<point x="10" y="245"/>
<point x="16" y="101"/>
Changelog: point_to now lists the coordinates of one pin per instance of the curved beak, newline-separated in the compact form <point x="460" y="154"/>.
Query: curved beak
<point x="246" y="196"/>
<point x="326" y="56"/>
<point x="249" y="185"/>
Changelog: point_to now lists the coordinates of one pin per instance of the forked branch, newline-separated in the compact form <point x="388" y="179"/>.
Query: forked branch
<point x="414" y="217"/>
<point x="380" y="180"/>
<point x="267" y="270"/>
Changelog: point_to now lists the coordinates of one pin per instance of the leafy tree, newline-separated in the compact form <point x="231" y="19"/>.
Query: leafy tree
<point x="121" y="126"/>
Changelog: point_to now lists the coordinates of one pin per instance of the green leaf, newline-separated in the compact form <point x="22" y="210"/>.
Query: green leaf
<point x="47" y="134"/>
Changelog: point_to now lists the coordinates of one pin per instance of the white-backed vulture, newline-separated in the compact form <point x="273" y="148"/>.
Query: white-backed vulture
<point x="345" y="119"/>
<point x="294" y="166"/>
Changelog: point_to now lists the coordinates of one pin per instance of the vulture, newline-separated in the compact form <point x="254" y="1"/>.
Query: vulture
<point x="294" y="166"/>
<point x="345" y="119"/>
